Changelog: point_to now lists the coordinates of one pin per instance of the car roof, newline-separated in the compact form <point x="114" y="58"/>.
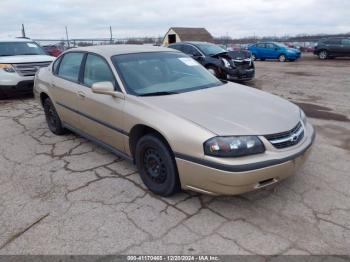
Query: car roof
<point x="111" y="50"/>
<point x="16" y="40"/>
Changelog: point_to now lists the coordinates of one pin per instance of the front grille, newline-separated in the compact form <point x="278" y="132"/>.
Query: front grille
<point x="29" y="69"/>
<point x="288" y="138"/>
<point x="242" y="64"/>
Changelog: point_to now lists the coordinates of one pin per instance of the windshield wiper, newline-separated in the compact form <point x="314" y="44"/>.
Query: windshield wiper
<point x="162" y="93"/>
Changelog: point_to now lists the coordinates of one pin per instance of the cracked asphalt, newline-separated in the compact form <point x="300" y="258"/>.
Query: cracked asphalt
<point x="65" y="195"/>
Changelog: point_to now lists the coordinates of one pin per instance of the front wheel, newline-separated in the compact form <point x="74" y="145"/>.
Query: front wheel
<point x="282" y="58"/>
<point x="53" y="120"/>
<point x="213" y="70"/>
<point x="323" y="54"/>
<point x="157" y="166"/>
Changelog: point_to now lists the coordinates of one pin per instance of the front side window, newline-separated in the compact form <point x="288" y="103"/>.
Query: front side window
<point x="20" y="48"/>
<point x="345" y="42"/>
<point x="177" y="47"/>
<point x="70" y="66"/>
<point x="162" y="72"/>
<point x="190" y="50"/>
<point x="97" y="70"/>
<point x="270" y="46"/>
<point x="260" y="45"/>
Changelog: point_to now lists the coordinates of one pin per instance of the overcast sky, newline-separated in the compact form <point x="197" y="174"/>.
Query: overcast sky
<point x="236" y="18"/>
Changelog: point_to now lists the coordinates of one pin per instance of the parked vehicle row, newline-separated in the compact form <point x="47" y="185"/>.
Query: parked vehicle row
<point x="181" y="126"/>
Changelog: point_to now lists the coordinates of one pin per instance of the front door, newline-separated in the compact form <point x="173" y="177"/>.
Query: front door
<point x="345" y="47"/>
<point x="103" y="114"/>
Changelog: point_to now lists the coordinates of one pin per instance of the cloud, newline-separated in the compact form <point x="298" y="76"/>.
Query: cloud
<point x="92" y="18"/>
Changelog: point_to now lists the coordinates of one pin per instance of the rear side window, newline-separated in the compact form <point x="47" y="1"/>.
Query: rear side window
<point x="70" y="66"/>
<point x="333" y="42"/>
<point x="55" y="65"/>
<point x="260" y="45"/>
<point x="97" y="70"/>
<point x="177" y="47"/>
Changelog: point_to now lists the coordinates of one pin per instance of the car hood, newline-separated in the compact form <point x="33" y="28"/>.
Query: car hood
<point x="231" y="109"/>
<point x="25" y="59"/>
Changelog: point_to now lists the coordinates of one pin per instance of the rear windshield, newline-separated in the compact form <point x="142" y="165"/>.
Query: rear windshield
<point x="20" y="48"/>
<point x="164" y="72"/>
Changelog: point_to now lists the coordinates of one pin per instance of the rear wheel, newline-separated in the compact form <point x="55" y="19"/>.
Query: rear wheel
<point x="323" y="54"/>
<point x="156" y="166"/>
<point x="282" y="58"/>
<point x="53" y="120"/>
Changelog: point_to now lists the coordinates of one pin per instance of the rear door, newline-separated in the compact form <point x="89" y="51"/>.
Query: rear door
<point x="65" y="87"/>
<point x="260" y="50"/>
<point x="334" y="46"/>
<point x="103" y="114"/>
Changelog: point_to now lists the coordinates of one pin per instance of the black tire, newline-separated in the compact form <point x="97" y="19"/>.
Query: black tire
<point x="282" y="58"/>
<point x="323" y="54"/>
<point x="53" y="120"/>
<point x="262" y="59"/>
<point x="213" y="70"/>
<point x="156" y="165"/>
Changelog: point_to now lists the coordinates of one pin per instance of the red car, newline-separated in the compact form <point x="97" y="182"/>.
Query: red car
<point x="52" y="50"/>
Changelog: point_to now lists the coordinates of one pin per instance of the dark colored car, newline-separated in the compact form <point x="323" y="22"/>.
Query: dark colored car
<point x="333" y="47"/>
<point x="274" y="50"/>
<point x="221" y="63"/>
<point x="52" y="50"/>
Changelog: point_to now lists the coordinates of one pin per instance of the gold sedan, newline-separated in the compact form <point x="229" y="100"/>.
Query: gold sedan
<point x="180" y="125"/>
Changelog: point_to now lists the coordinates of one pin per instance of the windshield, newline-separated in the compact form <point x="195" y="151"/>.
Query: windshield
<point x="162" y="73"/>
<point x="20" y="48"/>
<point x="210" y="49"/>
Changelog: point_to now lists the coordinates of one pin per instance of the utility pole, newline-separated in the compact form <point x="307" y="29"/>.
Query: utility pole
<point x="23" y="31"/>
<point x="67" y="37"/>
<point x="111" y="34"/>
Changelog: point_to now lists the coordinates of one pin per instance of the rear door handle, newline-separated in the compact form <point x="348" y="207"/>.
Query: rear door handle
<point x="81" y="94"/>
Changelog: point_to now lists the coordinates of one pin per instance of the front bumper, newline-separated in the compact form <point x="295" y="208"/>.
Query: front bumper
<point x="219" y="179"/>
<point x="22" y="87"/>
<point x="240" y="74"/>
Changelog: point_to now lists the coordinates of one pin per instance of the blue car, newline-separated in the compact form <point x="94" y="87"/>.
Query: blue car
<point x="274" y="50"/>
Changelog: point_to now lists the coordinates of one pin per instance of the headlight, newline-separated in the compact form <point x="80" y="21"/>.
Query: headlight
<point x="8" y="68"/>
<point x="226" y="63"/>
<point x="233" y="146"/>
<point x="303" y="116"/>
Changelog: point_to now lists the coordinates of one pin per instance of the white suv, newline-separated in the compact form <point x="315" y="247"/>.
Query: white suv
<point x="20" y="59"/>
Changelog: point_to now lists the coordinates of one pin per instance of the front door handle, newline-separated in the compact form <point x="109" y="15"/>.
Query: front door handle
<point x="81" y="94"/>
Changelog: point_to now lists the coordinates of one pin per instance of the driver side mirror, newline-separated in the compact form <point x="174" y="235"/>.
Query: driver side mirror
<point x="106" y="88"/>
